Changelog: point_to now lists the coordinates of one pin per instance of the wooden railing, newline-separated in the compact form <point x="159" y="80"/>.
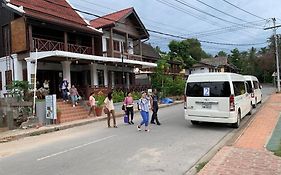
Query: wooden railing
<point x="47" y="45"/>
<point x="118" y="54"/>
<point x="50" y="45"/>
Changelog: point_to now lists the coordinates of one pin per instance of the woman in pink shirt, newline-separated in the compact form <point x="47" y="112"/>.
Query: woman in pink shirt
<point x="92" y="102"/>
<point x="129" y="107"/>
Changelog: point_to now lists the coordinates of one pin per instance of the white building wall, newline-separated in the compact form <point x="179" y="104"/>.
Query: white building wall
<point x="16" y="67"/>
<point x="119" y="38"/>
<point x="199" y="70"/>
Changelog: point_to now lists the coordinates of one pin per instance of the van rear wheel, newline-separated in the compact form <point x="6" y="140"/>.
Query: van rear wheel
<point x="237" y="124"/>
<point x="194" y="122"/>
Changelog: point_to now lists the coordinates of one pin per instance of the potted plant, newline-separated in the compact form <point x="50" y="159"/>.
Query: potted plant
<point x="100" y="97"/>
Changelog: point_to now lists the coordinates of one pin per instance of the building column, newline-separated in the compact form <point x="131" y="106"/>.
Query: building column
<point x="105" y="73"/>
<point x="127" y="80"/>
<point x="30" y="65"/>
<point x="18" y="73"/>
<point x="66" y="71"/>
<point x="30" y="38"/>
<point x="94" y="75"/>
<point x="140" y="47"/>
<point x="112" y="79"/>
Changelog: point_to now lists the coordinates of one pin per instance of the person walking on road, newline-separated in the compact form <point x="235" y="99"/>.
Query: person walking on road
<point x="155" y="107"/>
<point x="144" y="106"/>
<point x="92" y="104"/>
<point x="74" y="95"/>
<point x="129" y="107"/>
<point x="110" y="109"/>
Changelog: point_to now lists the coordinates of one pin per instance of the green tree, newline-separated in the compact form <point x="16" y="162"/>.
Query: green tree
<point x="222" y="54"/>
<point x="235" y="58"/>
<point x="189" y="51"/>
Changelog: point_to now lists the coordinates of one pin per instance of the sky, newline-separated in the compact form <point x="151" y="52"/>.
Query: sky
<point x="180" y="18"/>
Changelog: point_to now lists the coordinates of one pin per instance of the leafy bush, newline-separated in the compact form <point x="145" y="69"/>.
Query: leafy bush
<point x="118" y="96"/>
<point x="100" y="97"/>
<point x="18" y="89"/>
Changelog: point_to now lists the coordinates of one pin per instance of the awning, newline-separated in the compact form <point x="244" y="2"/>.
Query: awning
<point x="42" y="55"/>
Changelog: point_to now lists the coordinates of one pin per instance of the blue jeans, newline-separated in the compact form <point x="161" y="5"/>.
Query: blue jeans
<point x="64" y="94"/>
<point x="145" y="118"/>
<point x="73" y="99"/>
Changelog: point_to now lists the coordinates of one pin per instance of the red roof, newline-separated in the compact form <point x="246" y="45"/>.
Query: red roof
<point x="110" y="19"/>
<point x="56" y="11"/>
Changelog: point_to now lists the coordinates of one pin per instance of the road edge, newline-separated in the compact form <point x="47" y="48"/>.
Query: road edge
<point x="227" y="140"/>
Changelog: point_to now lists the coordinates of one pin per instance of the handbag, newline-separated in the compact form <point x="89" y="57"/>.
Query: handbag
<point x="105" y="110"/>
<point x="126" y="119"/>
<point x="88" y="103"/>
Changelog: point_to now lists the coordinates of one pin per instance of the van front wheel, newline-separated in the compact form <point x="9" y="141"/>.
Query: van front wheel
<point x="194" y="122"/>
<point x="237" y="124"/>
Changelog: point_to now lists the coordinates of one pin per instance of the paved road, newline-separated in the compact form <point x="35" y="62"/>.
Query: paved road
<point x="94" y="149"/>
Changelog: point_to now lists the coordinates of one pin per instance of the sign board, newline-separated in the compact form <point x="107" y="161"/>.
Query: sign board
<point x="51" y="106"/>
<point x="206" y="92"/>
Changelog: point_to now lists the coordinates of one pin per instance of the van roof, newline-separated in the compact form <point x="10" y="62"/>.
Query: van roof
<point x="206" y="77"/>
<point x="250" y="77"/>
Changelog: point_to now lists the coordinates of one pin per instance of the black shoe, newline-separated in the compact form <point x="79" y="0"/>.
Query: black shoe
<point x="129" y="123"/>
<point x="158" y="123"/>
<point x="152" y="123"/>
<point x="132" y="122"/>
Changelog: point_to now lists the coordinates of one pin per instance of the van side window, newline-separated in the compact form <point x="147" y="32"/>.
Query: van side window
<point x="249" y="90"/>
<point x="256" y="85"/>
<point x="250" y="86"/>
<point x="239" y="88"/>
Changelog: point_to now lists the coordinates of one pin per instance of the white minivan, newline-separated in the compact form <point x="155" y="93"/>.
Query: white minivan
<point x="255" y="87"/>
<point x="217" y="97"/>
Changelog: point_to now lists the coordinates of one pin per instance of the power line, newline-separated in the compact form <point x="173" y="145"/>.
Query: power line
<point x="154" y="31"/>
<point x="199" y="10"/>
<point x="220" y="10"/>
<point x="243" y="9"/>
<point x="228" y="29"/>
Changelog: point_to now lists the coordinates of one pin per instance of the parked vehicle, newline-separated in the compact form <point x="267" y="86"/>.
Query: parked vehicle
<point x="217" y="97"/>
<point x="256" y="94"/>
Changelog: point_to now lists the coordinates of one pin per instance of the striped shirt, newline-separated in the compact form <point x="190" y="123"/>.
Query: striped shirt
<point x="144" y="104"/>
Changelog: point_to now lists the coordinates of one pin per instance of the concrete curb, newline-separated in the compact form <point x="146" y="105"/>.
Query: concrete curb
<point x="228" y="140"/>
<point x="53" y="128"/>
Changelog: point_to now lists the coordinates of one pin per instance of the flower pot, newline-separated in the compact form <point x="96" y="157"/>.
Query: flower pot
<point x="99" y="110"/>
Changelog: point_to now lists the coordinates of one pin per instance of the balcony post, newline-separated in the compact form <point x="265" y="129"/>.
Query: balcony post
<point x="93" y="46"/>
<point x="126" y="43"/>
<point x="140" y="47"/>
<point x="65" y="41"/>
<point x="111" y="49"/>
<point x="112" y="79"/>
<point x="31" y="45"/>
<point x="94" y="74"/>
<point x="66" y="71"/>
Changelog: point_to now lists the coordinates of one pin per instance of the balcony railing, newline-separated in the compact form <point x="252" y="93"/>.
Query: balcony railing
<point x="118" y="54"/>
<point x="50" y="45"/>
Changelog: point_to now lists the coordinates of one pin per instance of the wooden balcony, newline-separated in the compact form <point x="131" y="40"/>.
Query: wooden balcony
<point x="118" y="54"/>
<point x="50" y="45"/>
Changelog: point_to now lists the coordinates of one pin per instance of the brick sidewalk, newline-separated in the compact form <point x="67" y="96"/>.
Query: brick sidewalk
<point x="248" y="154"/>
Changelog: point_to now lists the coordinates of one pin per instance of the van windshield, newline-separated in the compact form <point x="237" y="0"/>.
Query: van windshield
<point x="208" y="89"/>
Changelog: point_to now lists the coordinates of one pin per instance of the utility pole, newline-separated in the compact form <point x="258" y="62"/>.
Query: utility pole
<point x="276" y="51"/>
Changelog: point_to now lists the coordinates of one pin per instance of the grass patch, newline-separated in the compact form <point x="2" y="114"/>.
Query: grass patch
<point x="278" y="151"/>
<point x="200" y="166"/>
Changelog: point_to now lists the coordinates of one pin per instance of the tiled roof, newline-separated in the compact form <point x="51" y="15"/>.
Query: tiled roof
<point x="147" y="51"/>
<point x="217" y="61"/>
<point x="54" y="11"/>
<point x="110" y="19"/>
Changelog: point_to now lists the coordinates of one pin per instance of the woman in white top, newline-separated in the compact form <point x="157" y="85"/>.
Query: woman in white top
<point x="92" y="103"/>
<point x="110" y="109"/>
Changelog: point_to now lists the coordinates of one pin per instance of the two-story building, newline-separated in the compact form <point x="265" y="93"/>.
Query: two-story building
<point x="65" y="45"/>
<point x="217" y="64"/>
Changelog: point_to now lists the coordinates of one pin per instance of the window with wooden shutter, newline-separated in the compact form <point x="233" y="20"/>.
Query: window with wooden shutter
<point x="8" y="77"/>
<point x="1" y="84"/>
